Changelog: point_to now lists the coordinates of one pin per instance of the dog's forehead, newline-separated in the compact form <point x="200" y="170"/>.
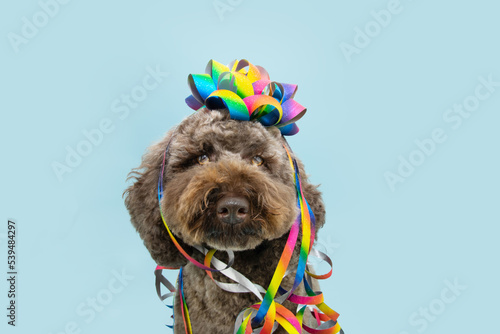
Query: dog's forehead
<point x="216" y="129"/>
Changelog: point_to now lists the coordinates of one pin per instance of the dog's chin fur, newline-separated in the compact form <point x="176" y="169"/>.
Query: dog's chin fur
<point x="244" y="236"/>
<point x="236" y="246"/>
<point x="191" y="191"/>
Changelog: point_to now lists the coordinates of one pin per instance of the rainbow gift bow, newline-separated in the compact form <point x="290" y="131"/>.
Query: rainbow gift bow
<point x="246" y="91"/>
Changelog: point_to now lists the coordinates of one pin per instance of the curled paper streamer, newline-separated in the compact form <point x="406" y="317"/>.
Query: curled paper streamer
<point x="246" y="91"/>
<point x="269" y="311"/>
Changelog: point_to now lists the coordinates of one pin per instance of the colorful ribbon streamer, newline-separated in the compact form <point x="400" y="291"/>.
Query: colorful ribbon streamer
<point x="246" y="91"/>
<point x="269" y="310"/>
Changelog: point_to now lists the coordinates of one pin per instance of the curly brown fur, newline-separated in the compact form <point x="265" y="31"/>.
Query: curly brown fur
<point x="191" y="194"/>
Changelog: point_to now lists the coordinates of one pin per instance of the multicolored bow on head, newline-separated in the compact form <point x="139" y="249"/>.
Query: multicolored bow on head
<point x="248" y="93"/>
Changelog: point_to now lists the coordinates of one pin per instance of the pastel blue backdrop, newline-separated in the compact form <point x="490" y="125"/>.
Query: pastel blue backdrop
<point x="401" y="132"/>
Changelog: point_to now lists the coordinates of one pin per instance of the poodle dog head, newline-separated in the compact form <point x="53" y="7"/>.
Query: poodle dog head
<point x="228" y="184"/>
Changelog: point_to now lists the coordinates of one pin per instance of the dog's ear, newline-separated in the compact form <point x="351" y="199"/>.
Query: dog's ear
<point x="141" y="200"/>
<point x="313" y="196"/>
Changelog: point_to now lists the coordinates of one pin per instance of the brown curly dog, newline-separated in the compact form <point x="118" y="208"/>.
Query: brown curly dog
<point x="228" y="185"/>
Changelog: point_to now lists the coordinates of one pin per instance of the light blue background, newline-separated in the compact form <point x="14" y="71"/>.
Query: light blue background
<point x="392" y="250"/>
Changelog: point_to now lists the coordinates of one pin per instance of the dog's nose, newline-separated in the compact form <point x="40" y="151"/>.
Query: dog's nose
<point x="232" y="209"/>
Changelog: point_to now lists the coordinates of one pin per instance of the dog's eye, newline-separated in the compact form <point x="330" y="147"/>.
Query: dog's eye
<point x="203" y="159"/>
<point x="257" y="161"/>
